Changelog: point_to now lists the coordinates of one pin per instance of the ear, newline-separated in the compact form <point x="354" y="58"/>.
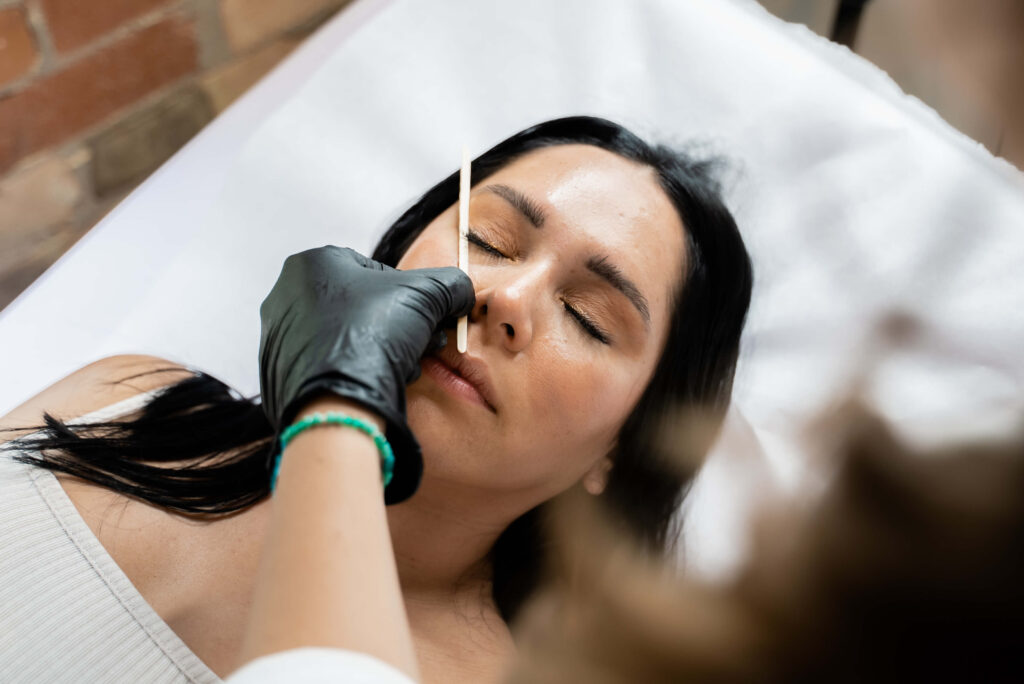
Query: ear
<point x="596" y="479"/>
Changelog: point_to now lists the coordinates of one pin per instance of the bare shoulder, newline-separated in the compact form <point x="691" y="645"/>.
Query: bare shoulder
<point x="150" y="544"/>
<point x="101" y="383"/>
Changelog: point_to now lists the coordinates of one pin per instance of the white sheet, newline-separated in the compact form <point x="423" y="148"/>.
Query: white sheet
<point x="854" y="200"/>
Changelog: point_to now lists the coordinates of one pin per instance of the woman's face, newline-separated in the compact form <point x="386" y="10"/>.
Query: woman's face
<point x="575" y="254"/>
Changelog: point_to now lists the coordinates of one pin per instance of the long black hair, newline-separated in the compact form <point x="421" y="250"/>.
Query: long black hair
<point x="198" y="448"/>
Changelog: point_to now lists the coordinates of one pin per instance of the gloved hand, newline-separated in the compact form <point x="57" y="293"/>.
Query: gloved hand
<point x="337" y="321"/>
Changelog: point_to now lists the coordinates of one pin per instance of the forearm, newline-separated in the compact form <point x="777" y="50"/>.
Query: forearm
<point x="328" y="576"/>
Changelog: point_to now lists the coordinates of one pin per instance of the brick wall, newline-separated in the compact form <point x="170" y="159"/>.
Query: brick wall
<point x="95" y="94"/>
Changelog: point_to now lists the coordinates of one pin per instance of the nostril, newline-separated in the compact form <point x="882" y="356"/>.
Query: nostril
<point x="483" y="310"/>
<point x="509" y="330"/>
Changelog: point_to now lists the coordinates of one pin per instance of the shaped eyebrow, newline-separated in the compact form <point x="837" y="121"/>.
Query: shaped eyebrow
<point x="526" y="206"/>
<point x="611" y="273"/>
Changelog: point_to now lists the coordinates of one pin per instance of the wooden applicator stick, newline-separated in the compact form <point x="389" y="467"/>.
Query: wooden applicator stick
<point x="462" y="329"/>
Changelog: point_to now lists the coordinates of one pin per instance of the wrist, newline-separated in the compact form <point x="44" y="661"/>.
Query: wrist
<point x="327" y="412"/>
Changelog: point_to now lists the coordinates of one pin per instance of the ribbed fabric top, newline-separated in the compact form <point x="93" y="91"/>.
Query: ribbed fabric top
<point x="68" y="613"/>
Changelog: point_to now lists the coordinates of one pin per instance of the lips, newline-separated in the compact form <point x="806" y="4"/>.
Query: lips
<point x="463" y="375"/>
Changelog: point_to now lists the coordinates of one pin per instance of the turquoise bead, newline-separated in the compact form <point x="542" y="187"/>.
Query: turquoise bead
<point x="387" y="456"/>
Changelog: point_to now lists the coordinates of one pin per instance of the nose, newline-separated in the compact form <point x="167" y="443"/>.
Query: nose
<point x="505" y="309"/>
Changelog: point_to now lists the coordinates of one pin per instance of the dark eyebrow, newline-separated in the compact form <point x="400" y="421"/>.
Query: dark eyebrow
<point x="600" y="266"/>
<point x="526" y="206"/>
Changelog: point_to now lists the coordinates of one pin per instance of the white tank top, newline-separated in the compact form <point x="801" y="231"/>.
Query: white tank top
<point x="68" y="613"/>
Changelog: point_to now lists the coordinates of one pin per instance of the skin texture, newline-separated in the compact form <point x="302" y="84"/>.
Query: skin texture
<point x="560" y="397"/>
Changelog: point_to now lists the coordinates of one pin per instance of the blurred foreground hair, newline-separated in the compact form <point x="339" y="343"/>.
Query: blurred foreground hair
<point x="908" y="569"/>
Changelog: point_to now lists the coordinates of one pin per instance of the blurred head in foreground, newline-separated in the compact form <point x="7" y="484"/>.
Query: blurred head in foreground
<point x="910" y="568"/>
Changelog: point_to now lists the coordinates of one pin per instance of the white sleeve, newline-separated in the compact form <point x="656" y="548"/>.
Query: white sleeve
<point x="318" y="666"/>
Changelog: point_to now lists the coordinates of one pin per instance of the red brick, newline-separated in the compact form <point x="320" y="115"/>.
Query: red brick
<point x="17" y="49"/>
<point x="74" y="23"/>
<point x="130" y="149"/>
<point x="58" y="106"/>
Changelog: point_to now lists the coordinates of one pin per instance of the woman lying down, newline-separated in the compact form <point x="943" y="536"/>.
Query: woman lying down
<point x="608" y="284"/>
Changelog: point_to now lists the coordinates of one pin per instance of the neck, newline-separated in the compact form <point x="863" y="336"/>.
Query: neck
<point x="442" y="539"/>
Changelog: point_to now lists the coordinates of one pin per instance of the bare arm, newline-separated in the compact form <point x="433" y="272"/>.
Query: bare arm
<point x="328" y="574"/>
<point x="343" y="325"/>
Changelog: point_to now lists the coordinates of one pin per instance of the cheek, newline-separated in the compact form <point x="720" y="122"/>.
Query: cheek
<point x="582" y="401"/>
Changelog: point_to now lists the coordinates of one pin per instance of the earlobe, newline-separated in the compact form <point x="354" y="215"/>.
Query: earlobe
<point x="596" y="479"/>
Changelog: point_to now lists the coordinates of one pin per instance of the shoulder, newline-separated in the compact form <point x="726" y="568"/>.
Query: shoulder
<point x="101" y="383"/>
<point x="151" y="545"/>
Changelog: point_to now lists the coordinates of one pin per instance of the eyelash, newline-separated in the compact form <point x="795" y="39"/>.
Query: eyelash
<point x="478" y="241"/>
<point x="588" y="326"/>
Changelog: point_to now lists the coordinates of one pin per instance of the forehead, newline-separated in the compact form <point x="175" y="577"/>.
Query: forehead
<point x="615" y="204"/>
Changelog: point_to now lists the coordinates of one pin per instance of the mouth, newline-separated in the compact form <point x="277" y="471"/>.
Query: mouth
<point x="464" y="377"/>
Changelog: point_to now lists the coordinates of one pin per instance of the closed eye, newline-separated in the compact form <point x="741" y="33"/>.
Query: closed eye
<point x="479" y="242"/>
<point x="588" y="326"/>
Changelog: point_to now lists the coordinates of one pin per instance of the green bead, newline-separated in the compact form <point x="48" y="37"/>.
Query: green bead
<point x="387" y="457"/>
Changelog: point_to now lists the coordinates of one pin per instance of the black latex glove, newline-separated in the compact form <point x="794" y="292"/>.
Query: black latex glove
<point x="339" y="322"/>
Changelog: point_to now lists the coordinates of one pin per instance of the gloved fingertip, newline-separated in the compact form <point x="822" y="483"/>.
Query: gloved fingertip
<point x="439" y="340"/>
<point x="461" y="288"/>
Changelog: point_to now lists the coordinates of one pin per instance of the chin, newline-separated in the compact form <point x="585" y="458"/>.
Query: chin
<point x="452" y="449"/>
<point x="438" y="431"/>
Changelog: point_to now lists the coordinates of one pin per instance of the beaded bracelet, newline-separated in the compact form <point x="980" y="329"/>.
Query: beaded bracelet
<point x="387" y="457"/>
